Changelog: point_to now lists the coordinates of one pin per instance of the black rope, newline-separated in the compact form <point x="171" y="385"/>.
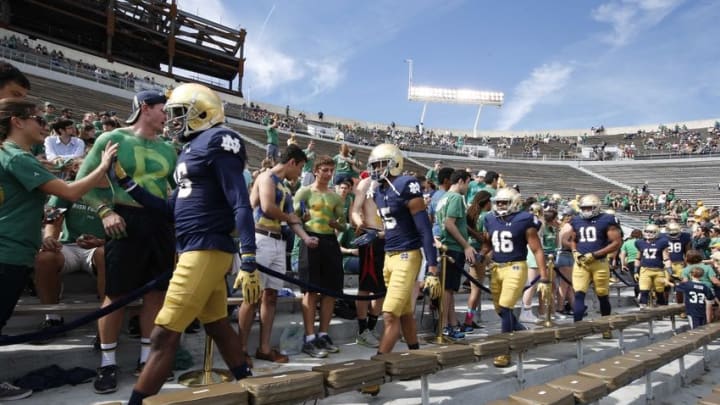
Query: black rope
<point x="313" y="288"/>
<point x="623" y="280"/>
<point x="486" y="289"/>
<point x="44" y="334"/>
<point x="475" y="281"/>
<point x="562" y="276"/>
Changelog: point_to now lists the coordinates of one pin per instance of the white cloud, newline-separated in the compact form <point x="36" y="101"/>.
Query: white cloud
<point x="628" y="17"/>
<point x="542" y="83"/>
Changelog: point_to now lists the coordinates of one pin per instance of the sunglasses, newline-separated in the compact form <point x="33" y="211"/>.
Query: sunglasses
<point x="40" y="120"/>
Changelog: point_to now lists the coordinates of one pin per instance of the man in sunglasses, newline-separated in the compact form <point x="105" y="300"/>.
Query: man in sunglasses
<point x="140" y="245"/>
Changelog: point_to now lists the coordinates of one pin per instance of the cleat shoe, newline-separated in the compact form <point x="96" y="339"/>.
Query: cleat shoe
<point x="106" y="381"/>
<point x="607" y="335"/>
<point x="311" y="349"/>
<point x="367" y="339"/>
<point x="453" y="333"/>
<point x="370" y="389"/>
<point x="502" y="361"/>
<point x="324" y="342"/>
<point x="9" y="392"/>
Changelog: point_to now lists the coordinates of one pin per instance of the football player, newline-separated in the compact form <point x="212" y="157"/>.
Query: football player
<point x="509" y="232"/>
<point x="699" y="298"/>
<point x="653" y="253"/>
<point x="594" y="236"/>
<point x="407" y="230"/>
<point x="210" y="190"/>
<point x="679" y="243"/>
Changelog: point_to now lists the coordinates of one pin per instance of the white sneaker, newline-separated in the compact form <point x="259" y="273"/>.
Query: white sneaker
<point x="527" y="316"/>
<point x="367" y="339"/>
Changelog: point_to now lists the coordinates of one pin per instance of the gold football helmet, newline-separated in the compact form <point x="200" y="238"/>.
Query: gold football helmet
<point x="385" y="160"/>
<point x="193" y="108"/>
<point x="651" y="231"/>
<point x="536" y="209"/>
<point x="589" y="206"/>
<point x="506" y="201"/>
<point x="673" y="229"/>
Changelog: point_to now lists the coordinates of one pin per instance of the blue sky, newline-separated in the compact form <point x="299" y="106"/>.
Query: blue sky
<point x="560" y="63"/>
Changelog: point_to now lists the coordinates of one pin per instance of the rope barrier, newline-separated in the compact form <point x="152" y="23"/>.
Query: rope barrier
<point x="6" y="340"/>
<point x="310" y="287"/>
<point x="623" y="280"/>
<point x="562" y="276"/>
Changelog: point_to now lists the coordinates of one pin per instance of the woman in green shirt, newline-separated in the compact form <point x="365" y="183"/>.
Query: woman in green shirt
<point x="628" y="254"/>
<point x="479" y="207"/>
<point x="24" y="186"/>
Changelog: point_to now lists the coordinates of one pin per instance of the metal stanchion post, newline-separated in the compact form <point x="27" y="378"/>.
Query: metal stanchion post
<point x="208" y="375"/>
<point x="550" y="296"/>
<point x="439" y="338"/>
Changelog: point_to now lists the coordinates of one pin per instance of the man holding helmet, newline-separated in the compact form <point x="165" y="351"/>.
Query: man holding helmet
<point x="594" y="236"/>
<point x="509" y="232"/>
<point x="209" y="192"/>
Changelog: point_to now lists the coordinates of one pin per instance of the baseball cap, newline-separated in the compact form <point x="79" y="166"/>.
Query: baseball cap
<point x="481" y="173"/>
<point x="148" y="97"/>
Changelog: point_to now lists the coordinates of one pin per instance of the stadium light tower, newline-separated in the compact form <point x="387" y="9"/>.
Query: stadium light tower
<point x="427" y="95"/>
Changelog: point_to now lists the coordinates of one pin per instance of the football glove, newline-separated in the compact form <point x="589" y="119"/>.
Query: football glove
<point x="248" y="279"/>
<point x="636" y="276"/>
<point x="583" y="259"/>
<point x="432" y="286"/>
<point x="544" y="288"/>
<point x="365" y="239"/>
<point x="117" y="174"/>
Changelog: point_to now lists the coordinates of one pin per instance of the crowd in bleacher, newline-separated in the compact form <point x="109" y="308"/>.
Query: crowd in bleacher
<point x="67" y="139"/>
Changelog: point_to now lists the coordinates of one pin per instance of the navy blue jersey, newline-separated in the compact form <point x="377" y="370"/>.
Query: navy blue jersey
<point x="212" y="198"/>
<point x="400" y="231"/>
<point x="696" y="294"/>
<point x="508" y="235"/>
<point x="678" y="246"/>
<point x="591" y="234"/>
<point x="651" y="252"/>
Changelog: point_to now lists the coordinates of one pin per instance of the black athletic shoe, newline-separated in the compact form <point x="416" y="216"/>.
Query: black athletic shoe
<point x="106" y="381"/>
<point x="47" y="325"/>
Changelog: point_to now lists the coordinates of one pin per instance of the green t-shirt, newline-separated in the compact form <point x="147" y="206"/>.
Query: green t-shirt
<point x="79" y="219"/>
<point x="452" y="205"/>
<point x="473" y="188"/>
<point x="549" y="239"/>
<point x="432" y="175"/>
<point x="21" y="205"/>
<point x="630" y="250"/>
<point x="151" y="163"/>
<point x="343" y="165"/>
<point x="480" y="227"/>
<point x="272" y="135"/>
<point x="322" y="208"/>
<point x="705" y="279"/>
<point x="308" y="166"/>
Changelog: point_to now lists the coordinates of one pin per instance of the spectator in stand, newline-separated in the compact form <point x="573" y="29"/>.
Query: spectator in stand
<point x="307" y="177"/>
<point x="25" y="184"/>
<point x="109" y="124"/>
<point x="140" y="244"/>
<point x="13" y="83"/>
<point x="80" y="247"/>
<point x="63" y="146"/>
<point x="50" y="113"/>
<point x="322" y="211"/>
<point x="346" y="166"/>
<point x="432" y="174"/>
<point x="272" y="151"/>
